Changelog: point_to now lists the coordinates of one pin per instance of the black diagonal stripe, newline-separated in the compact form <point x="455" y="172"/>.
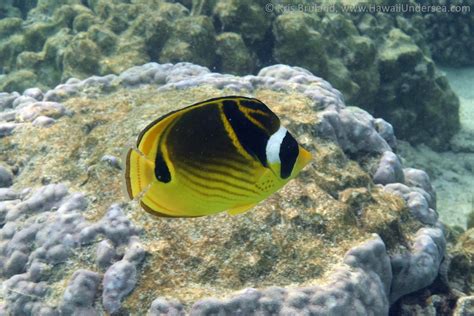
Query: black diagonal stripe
<point x="252" y="138"/>
<point x="289" y="152"/>
<point x="208" y="178"/>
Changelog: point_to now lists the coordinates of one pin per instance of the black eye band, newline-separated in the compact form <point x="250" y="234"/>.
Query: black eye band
<point x="251" y="137"/>
<point x="288" y="153"/>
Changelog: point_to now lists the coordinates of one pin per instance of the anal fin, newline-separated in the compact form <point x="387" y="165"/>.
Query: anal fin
<point x="241" y="209"/>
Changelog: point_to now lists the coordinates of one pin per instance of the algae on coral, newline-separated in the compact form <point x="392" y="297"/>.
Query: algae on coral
<point x="292" y="238"/>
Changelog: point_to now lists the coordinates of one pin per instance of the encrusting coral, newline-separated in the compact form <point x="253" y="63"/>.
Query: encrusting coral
<point x="331" y="241"/>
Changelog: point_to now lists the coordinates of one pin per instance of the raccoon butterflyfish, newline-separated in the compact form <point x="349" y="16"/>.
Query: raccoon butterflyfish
<point x="223" y="154"/>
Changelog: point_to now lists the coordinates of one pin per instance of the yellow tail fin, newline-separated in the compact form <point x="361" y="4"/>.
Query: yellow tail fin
<point x="139" y="173"/>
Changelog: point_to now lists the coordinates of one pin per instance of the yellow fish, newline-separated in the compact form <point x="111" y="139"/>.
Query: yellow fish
<point x="223" y="154"/>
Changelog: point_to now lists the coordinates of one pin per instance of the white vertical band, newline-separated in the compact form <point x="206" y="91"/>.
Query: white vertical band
<point x="274" y="144"/>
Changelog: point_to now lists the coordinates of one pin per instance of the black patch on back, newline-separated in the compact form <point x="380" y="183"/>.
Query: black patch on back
<point x="289" y="151"/>
<point x="158" y="120"/>
<point x="199" y="136"/>
<point x="162" y="172"/>
<point x="252" y="138"/>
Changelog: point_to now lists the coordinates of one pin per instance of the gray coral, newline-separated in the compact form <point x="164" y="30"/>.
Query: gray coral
<point x="43" y="231"/>
<point x="45" y="228"/>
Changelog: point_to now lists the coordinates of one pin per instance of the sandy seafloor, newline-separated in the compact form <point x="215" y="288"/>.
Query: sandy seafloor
<point x="452" y="172"/>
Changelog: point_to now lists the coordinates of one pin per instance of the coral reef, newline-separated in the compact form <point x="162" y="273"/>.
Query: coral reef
<point x="450" y="35"/>
<point x="330" y="242"/>
<point x="45" y="229"/>
<point x="381" y="62"/>
<point x="451" y="172"/>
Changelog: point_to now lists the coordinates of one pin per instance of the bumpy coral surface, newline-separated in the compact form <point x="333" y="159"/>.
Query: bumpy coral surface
<point x="330" y="242"/>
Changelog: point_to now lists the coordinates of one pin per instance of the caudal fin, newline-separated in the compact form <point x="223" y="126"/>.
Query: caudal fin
<point x="139" y="173"/>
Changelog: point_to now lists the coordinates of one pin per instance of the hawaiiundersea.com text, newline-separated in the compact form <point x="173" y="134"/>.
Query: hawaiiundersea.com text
<point x="366" y="8"/>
